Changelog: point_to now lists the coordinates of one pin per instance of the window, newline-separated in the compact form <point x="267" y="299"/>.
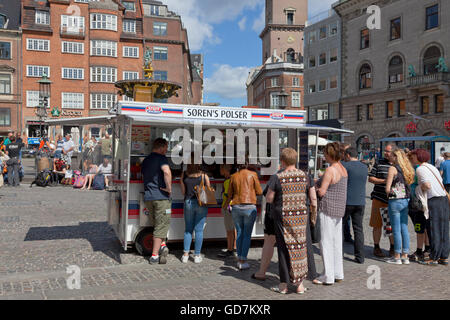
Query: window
<point x="333" y="82"/>
<point x="160" y="53"/>
<point x="322" y="59"/>
<point x="401" y="108"/>
<point x="370" y="112"/>
<point x="103" y="21"/>
<point x="290" y="53"/>
<point x="130" y="75"/>
<point x="318" y="113"/>
<point x="389" y="109"/>
<point x="103" y="100"/>
<point x="3" y="21"/>
<point x="42" y="17"/>
<point x="72" y="47"/>
<point x="37" y="71"/>
<point x="5" y="83"/>
<point x="432" y="17"/>
<point x="5" y="117"/>
<point x="72" y="24"/>
<point x="160" y="28"/>
<point x="323" y="32"/>
<point x="131" y="52"/>
<point x="71" y="100"/>
<point x="431" y="60"/>
<point x="274" y="82"/>
<point x="333" y="29"/>
<point x="365" y="77"/>
<point x="296" y="103"/>
<point x="359" y="113"/>
<point x="72" y="73"/>
<point x="290" y="18"/>
<point x="274" y="100"/>
<point x="154" y="10"/>
<point x="38" y="44"/>
<point x="396" y="70"/>
<point x="129" y="6"/>
<point x="365" y="39"/>
<point x="439" y="103"/>
<point x="396" y="29"/>
<point x="333" y="55"/>
<point x="323" y="85"/>
<point x="295" y="82"/>
<point x="129" y="26"/>
<point x="424" y="105"/>
<point x="103" y="48"/>
<point x="312" y="36"/>
<point x="103" y="74"/>
<point x="5" y="50"/>
<point x="33" y="99"/>
<point x="160" y="75"/>
<point x="312" y="61"/>
<point x="312" y="87"/>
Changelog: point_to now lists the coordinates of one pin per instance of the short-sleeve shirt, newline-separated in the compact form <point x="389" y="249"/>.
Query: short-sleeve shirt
<point x="14" y="149"/>
<point x="154" y="177"/>
<point x="445" y="168"/>
<point x="67" y="145"/>
<point x="356" y="184"/>
<point x="105" y="170"/>
<point x="380" y="171"/>
<point x="427" y="173"/>
<point x="274" y="184"/>
<point x="226" y="186"/>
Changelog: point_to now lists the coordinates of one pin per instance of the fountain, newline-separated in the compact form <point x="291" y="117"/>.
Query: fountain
<point x="147" y="89"/>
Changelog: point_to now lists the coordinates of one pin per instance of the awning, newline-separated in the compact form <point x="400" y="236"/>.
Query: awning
<point x="81" y="121"/>
<point x="312" y="141"/>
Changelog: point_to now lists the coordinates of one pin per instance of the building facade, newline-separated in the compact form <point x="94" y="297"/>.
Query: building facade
<point x="393" y="75"/>
<point x="10" y="67"/>
<point x="85" y="46"/>
<point x="322" y="74"/>
<point x="278" y="82"/>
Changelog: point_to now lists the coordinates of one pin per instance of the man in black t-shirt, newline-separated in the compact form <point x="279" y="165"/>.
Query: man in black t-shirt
<point x="13" y="151"/>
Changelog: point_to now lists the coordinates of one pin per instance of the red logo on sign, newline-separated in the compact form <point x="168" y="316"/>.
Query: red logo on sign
<point x="153" y="110"/>
<point x="277" y="116"/>
<point x="411" y="127"/>
<point x="447" y="125"/>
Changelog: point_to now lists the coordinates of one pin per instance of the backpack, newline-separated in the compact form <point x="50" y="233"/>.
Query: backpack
<point x="43" y="179"/>
<point x="99" y="182"/>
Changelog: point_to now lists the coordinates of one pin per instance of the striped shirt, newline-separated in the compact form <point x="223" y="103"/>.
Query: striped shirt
<point x="380" y="171"/>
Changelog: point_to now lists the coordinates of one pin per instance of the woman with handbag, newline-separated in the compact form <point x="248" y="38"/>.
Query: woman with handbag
<point x="430" y="182"/>
<point x="244" y="187"/>
<point x="194" y="213"/>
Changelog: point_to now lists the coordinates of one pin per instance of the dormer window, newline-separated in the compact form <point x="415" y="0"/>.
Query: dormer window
<point x="3" y="21"/>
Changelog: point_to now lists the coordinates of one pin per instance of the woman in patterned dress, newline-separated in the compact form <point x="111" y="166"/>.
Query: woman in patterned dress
<point x="288" y="192"/>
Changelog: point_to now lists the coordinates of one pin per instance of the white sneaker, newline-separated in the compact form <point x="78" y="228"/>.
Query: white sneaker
<point x="198" y="259"/>
<point x="244" y="266"/>
<point x="394" y="261"/>
<point x="184" y="259"/>
<point x="405" y="261"/>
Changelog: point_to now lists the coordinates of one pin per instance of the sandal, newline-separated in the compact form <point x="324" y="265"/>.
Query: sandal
<point x="429" y="262"/>
<point x="443" y="262"/>
<point x="301" y="292"/>
<point x="256" y="278"/>
<point x="277" y="290"/>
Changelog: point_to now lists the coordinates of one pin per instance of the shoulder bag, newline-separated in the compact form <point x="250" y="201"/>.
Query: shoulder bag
<point x="205" y="196"/>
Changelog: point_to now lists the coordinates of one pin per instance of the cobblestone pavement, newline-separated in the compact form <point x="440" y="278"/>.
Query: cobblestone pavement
<point x="45" y="230"/>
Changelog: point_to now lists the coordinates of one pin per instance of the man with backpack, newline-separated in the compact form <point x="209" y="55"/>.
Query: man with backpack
<point x="13" y="151"/>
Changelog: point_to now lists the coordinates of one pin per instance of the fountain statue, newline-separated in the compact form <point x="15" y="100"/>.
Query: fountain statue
<point x="147" y="89"/>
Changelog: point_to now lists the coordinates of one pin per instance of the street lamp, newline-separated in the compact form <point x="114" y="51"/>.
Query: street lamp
<point x="44" y="95"/>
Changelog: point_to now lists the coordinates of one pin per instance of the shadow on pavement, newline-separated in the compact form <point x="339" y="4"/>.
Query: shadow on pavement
<point x="94" y="232"/>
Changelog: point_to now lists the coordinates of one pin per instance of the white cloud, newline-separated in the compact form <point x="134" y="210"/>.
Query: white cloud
<point x="228" y="82"/>
<point x="242" y="23"/>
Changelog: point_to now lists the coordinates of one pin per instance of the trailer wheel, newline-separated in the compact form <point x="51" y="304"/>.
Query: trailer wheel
<point x="144" y="242"/>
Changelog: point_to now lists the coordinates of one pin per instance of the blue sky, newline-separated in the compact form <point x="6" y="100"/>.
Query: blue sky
<point x="227" y="32"/>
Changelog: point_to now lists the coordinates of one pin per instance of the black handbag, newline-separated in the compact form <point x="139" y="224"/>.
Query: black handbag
<point x="415" y="204"/>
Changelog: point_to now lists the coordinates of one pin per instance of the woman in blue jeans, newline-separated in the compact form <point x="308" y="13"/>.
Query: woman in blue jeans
<point x="194" y="215"/>
<point x="400" y="177"/>
<point x="244" y="187"/>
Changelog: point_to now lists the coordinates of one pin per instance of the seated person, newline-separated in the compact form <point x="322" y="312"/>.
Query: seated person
<point x="68" y="173"/>
<point x="106" y="169"/>
<point x="92" y="171"/>
<point x="59" y="170"/>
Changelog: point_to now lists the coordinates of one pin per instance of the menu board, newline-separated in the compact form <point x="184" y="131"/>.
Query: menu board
<point x="140" y="140"/>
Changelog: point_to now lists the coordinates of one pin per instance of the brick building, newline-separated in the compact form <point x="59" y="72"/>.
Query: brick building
<point x="392" y="73"/>
<point x="10" y="67"/>
<point x="87" y="45"/>
<point x="278" y="82"/>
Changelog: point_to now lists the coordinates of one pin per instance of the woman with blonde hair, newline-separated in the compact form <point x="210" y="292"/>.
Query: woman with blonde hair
<point x="400" y="178"/>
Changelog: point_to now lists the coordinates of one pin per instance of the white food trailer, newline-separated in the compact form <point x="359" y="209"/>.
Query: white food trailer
<point x="135" y="125"/>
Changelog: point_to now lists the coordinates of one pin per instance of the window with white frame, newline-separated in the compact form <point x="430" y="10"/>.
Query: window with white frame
<point x="274" y="100"/>
<point x="333" y="82"/>
<point x="296" y="102"/>
<point x="103" y="74"/>
<point x="296" y="82"/>
<point x="103" y="100"/>
<point x="73" y="73"/>
<point x="160" y="75"/>
<point x="103" y="48"/>
<point x="160" y="53"/>
<point x="42" y="17"/>
<point x="312" y="87"/>
<point x="5" y="83"/>
<point x="333" y="28"/>
<point x="103" y="21"/>
<point x="72" y="100"/>
<point x="130" y="75"/>
<point x="72" y="24"/>
<point x="72" y="47"/>
<point x="129" y="26"/>
<point x="37" y="71"/>
<point x="274" y="82"/>
<point x="323" y="85"/>
<point x="129" y="6"/>
<point x="160" y="28"/>
<point x="131" y="52"/>
<point x="333" y="55"/>
<point x="33" y="99"/>
<point x="38" y="44"/>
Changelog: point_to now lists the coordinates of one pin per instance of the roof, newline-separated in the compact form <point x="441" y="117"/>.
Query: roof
<point x="12" y="10"/>
<point x="430" y="138"/>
